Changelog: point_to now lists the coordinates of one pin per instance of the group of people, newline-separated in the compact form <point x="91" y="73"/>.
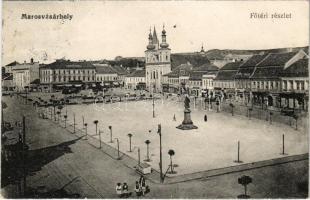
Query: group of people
<point x="140" y="188"/>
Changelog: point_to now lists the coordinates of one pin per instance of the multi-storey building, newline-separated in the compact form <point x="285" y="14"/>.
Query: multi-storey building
<point x="242" y="78"/>
<point x="135" y="80"/>
<point x="24" y="74"/>
<point x="65" y="71"/>
<point x="106" y="75"/>
<point x="8" y="68"/>
<point x="157" y="61"/>
<point x="266" y="84"/>
<point x="295" y="85"/>
<point x="177" y="80"/>
<point x="225" y="79"/>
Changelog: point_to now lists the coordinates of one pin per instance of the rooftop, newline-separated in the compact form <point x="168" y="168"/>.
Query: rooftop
<point x="137" y="73"/>
<point x="276" y="59"/>
<point x="67" y="64"/>
<point x="297" y="69"/>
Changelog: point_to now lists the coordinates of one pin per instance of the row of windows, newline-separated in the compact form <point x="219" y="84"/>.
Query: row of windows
<point x="224" y="84"/>
<point x="196" y="83"/>
<point x="274" y="85"/>
<point x="157" y="58"/>
<point x="48" y="72"/>
<point x="208" y="82"/>
<point x="135" y="79"/>
<point x="106" y="78"/>
<point x="297" y="85"/>
<point x="154" y="74"/>
<point x="266" y="85"/>
<point x="173" y="81"/>
<point x="78" y="78"/>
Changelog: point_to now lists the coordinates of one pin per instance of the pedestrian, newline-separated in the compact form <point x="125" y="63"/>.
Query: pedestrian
<point x="119" y="189"/>
<point x="174" y="119"/>
<point x="205" y="118"/>
<point x="125" y="190"/>
<point x="142" y="185"/>
<point x="138" y="189"/>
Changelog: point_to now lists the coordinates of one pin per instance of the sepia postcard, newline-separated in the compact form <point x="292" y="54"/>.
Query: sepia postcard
<point x="155" y="99"/>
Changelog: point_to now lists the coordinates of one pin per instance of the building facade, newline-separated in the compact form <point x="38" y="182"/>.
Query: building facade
<point x="65" y="71"/>
<point x="135" y="80"/>
<point x="157" y="61"/>
<point x="225" y="79"/>
<point x="266" y="83"/>
<point x="24" y="74"/>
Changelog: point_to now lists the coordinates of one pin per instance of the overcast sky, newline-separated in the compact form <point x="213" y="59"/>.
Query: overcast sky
<point x="107" y="29"/>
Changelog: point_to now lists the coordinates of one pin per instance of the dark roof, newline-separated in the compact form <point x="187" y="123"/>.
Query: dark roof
<point x="297" y="69"/>
<point x="228" y="71"/>
<point x="207" y="67"/>
<point x="231" y="66"/>
<point x="196" y="76"/>
<point x="226" y="75"/>
<point x="137" y="73"/>
<point x="253" y="61"/>
<point x="12" y="63"/>
<point x="181" y="70"/>
<point x="271" y="72"/>
<point x="67" y="64"/>
<point x="105" y="70"/>
<point x="276" y="59"/>
<point x="196" y="60"/>
<point x="248" y="67"/>
<point x="120" y="70"/>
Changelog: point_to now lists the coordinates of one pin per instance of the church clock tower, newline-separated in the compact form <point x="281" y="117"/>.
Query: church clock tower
<point x="157" y="61"/>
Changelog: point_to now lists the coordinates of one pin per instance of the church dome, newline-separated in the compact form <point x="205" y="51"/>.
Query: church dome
<point x="150" y="46"/>
<point x="164" y="45"/>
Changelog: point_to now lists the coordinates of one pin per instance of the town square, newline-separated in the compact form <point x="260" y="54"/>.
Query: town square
<point x="164" y="122"/>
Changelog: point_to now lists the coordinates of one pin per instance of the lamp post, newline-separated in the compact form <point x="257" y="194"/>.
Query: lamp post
<point x="139" y="158"/>
<point x="99" y="139"/>
<point x="83" y="121"/>
<point x="65" y="116"/>
<point x="118" y="156"/>
<point x="74" y="123"/>
<point x="110" y="127"/>
<point x="160" y="154"/>
<point x="153" y="106"/>
<point x="85" y="131"/>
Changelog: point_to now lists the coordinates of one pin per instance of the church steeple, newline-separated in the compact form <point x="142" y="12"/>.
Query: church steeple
<point x="150" y="46"/>
<point x="155" y="39"/>
<point x="164" y="44"/>
<point x="202" y="50"/>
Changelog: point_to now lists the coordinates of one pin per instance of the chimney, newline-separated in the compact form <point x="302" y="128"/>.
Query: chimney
<point x="31" y="60"/>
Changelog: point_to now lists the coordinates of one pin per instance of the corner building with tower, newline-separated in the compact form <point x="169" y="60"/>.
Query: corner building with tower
<point x="157" y="61"/>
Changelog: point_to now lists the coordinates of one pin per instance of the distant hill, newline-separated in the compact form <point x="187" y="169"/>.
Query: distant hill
<point x="197" y="58"/>
<point x="217" y="54"/>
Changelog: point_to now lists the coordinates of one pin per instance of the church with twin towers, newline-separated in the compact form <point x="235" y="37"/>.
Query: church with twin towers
<point x="157" y="60"/>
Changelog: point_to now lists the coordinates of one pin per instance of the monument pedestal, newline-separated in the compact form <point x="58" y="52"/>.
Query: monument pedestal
<point x="187" y="123"/>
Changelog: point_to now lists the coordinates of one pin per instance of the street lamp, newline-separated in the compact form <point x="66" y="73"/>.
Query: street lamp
<point x="139" y="156"/>
<point x="160" y="154"/>
<point x="65" y="116"/>
<point x="110" y="127"/>
<point x="118" y="156"/>
<point x="153" y="106"/>
<point x="85" y="131"/>
<point x="74" y="123"/>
